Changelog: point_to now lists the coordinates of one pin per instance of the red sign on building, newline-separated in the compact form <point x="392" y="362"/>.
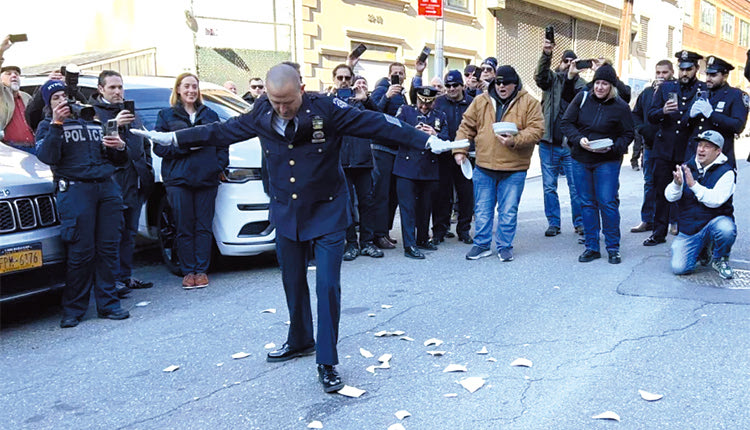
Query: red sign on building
<point x="430" y="8"/>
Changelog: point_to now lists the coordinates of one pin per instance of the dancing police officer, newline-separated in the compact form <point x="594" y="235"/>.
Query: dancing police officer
<point x="83" y="161"/>
<point x="300" y="135"/>
<point x="723" y="109"/>
<point x="417" y="173"/>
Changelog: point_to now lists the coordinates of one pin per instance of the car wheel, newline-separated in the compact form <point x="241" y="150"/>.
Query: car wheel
<point x="168" y="237"/>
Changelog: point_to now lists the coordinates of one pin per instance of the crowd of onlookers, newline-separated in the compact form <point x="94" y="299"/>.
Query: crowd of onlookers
<point x="684" y="130"/>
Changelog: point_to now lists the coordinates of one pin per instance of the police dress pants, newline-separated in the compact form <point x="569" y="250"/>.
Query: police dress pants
<point x="662" y="177"/>
<point x="193" y="210"/>
<point x="128" y="231"/>
<point x="90" y="216"/>
<point x="359" y="180"/>
<point x="465" y="196"/>
<point x="442" y="204"/>
<point x="329" y="251"/>
<point x="414" y="199"/>
<point x="384" y="199"/>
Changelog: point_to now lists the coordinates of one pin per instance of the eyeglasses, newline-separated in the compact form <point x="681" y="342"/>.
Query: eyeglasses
<point x="456" y="85"/>
<point x="256" y="87"/>
<point x="488" y="69"/>
<point x="499" y="82"/>
<point x="343" y="78"/>
<point x="566" y="60"/>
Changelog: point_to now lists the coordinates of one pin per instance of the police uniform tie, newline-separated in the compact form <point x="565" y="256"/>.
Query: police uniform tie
<point x="289" y="130"/>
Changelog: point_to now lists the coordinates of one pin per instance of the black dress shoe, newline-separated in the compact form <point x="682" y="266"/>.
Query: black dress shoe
<point x="438" y="238"/>
<point x="392" y="240"/>
<point x="614" y="257"/>
<point x="69" y="322"/>
<point x="589" y="255"/>
<point x="413" y="252"/>
<point x="450" y="235"/>
<point x="428" y="246"/>
<point x="287" y="353"/>
<point x="653" y="241"/>
<point x="370" y="250"/>
<point x="383" y="243"/>
<point x="465" y="238"/>
<point x="122" y="290"/>
<point x="133" y="283"/>
<point x="643" y="226"/>
<point x="330" y="378"/>
<point x="119" y="314"/>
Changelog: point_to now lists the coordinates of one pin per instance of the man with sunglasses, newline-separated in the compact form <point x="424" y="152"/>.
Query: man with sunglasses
<point x="257" y="89"/>
<point x="502" y="158"/>
<point x="554" y="152"/>
<point x="454" y="103"/>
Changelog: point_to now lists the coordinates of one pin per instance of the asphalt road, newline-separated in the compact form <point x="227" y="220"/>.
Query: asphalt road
<point x="596" y="334"/>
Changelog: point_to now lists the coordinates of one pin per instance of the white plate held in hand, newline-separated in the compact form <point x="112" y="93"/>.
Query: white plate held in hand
<point x="466" y="169"/>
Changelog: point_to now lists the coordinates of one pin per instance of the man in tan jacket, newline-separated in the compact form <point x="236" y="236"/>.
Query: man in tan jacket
<point x="13" y="127"/>
<point x="502" y="159"/>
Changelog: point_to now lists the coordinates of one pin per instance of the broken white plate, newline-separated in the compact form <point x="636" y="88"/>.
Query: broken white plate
<point x="385" y="358"/>
<point x="219" y="364"/>
<point x="483" y="350"/>
<point x="521" y="362"/>
<point x="433" y="341"/>
<point x="466" y="169"/>
<point x="269" y="311"/>
<point x="370" y="315"/>
<point x="315" y="425"/>
<point x="385" y="365"/>
<point x="651" y="397"/>
<point x="492" y="359"/>
<point x="351" y="391"/>
<point x="609" y="415"/>
<point x="270" y="346"/>
<point x="371" y="369"/>
<point x="386" y="306"/>
<point x="142" y="304"/>
<point x="171" y="368"/>
<point x="436" y="353"/>
<point x="402" y="414"/>
<point x="396" y="426"/>
<point x="365" y="353"/>
<point x="239" y="355"/>
<point x="384" y="333"/>
<point x="407" y="338"/>
<point x="472" y="384"/>
<point x="450" y="395"/>
<point x="455" y="368"/>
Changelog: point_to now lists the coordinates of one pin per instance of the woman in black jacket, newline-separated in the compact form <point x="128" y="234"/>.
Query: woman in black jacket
<point x="192" y="179"/>
<point x="594" y="115"/>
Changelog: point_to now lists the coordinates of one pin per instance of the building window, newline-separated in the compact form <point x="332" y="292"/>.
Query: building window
<point x="727" y="26"/>
<point x="643" y="39"/>
<point x="670" y="41"/>
<point x="745" y="34"/>
<point x="708" y="17"/>
<point x="689" y="12"/>
<point x="458" y="4"/>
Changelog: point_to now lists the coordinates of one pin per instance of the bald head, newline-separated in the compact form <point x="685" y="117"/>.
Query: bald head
<point x="284" y="90"/>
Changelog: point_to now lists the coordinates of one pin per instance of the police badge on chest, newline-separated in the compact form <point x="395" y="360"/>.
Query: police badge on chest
<point x="318" y="135"/>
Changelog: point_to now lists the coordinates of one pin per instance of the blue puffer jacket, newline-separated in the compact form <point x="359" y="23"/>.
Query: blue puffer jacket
<point x="195" y="167"/>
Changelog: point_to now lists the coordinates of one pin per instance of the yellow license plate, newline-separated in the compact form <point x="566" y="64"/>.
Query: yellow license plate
<point x="21" y="258"/>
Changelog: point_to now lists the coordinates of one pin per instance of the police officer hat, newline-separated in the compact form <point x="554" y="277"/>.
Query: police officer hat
<point x="687" y="59"/>
<point x="715" y="64"/>
<point x="427" y="94"/>
<point x="6" y="68"/>
<point x="713" y="137"/>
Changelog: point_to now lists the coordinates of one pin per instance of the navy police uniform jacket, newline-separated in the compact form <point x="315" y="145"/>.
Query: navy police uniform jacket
<point x="728" y="118"/>
<point x="671" y="140"/>
<point x="356" y="152"/>
<point x="197" y="166"/>
<point x="419" y="163"/>
<point x="74" y="150"/>
<point x="309" y="195"/>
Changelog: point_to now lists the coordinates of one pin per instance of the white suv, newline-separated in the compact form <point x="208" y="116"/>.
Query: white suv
<point x="241" y="226"/>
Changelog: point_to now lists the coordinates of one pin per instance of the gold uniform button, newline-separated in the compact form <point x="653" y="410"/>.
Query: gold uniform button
<point x="290" y="146"/>
<point x="292" y="180"/>
<point x="678" y="122"/>
<point x="407" y="157"/>
<point x="677" y="132"/>
<point x="330" y="197"/>
<point x="700" y="127"/>
<point x="291" y="162"/>
<point x="320" y="149"/>
<point x="294" y="196"/>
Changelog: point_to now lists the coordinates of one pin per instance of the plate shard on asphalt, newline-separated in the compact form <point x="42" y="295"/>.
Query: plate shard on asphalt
<point x="365" y="353"/>
<point x="238" y="355"/>
<point x="386" y="306"/>
<point x="449" y="395"/>
<point x="171" y="368"/>
<point x="371" y="369"/>
<point x="483" y="351"/>
<point x="142" y="304"/>
<point x="315" y="425"/>
<point x="433" y="342"/>
<point x="454" y="368"/>
<point x="472" y="384"/>
<point x="651" y="397"/>
<point x="396" y="426"/>
<point x="608" y="415"/>
<point x="350" y="391"/>
<point x="521" y="362"/>
<point x="436" y="353"/>
<point x="402" y="414"/>
<point x="407" y="338"/>
<point x="385" y="333"/>
<point x="268" y="311"/>
<point x="270" y="346"/>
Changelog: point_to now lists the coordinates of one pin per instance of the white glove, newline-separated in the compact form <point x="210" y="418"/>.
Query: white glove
<point x="439" y="146"/>
<point x="162" y="138"/>
<point x="695" y="109"/>
<point x="702" y="106"/>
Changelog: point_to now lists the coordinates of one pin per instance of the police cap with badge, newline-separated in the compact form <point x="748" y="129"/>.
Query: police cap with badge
<point x="715" y="64"/>
<point x="687" y="59"/>
<point x="427" y="94"/>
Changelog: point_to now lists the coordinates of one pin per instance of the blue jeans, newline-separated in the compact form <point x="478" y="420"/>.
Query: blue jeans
<point x="503" y="192"/>
<point x="721" y="231"/>
<point x="554" y="159"/>
<point x="598" y="185"/>
<point x="649" y="196"/>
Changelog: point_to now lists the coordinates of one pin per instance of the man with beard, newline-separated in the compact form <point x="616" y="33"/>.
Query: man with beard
<point x="13" y="127"/>
<point x="723" y="109"/>
<point x="670" y="111"/>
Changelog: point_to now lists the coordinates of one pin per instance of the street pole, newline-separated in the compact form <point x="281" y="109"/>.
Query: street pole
<point x="439" y="33"/>
<point x="623" y="60"/>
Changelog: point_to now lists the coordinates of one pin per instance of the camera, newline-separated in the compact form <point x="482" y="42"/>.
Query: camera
<point x="110" y="128"/>
<point x="584" y="64"/>
<point x="77" y="109"/>
<point x="549" y="33"/>
<point x="423" y="55"/>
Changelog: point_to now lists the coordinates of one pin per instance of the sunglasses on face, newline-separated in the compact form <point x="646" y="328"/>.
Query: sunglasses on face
<point x="343" y="78"/>
<point x="499" y="82"/>
<point x="456" y="85"/>
<point x="256" y="87"/>
<point x="566" y="61"/>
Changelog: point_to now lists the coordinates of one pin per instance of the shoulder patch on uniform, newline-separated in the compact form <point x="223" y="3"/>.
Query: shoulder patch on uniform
<point x="746" y="99"/>
<point x="392" y="120"/>
<point x="340" y="103"/>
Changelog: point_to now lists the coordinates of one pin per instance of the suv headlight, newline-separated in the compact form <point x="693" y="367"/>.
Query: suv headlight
<point x="240" y="175"/>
